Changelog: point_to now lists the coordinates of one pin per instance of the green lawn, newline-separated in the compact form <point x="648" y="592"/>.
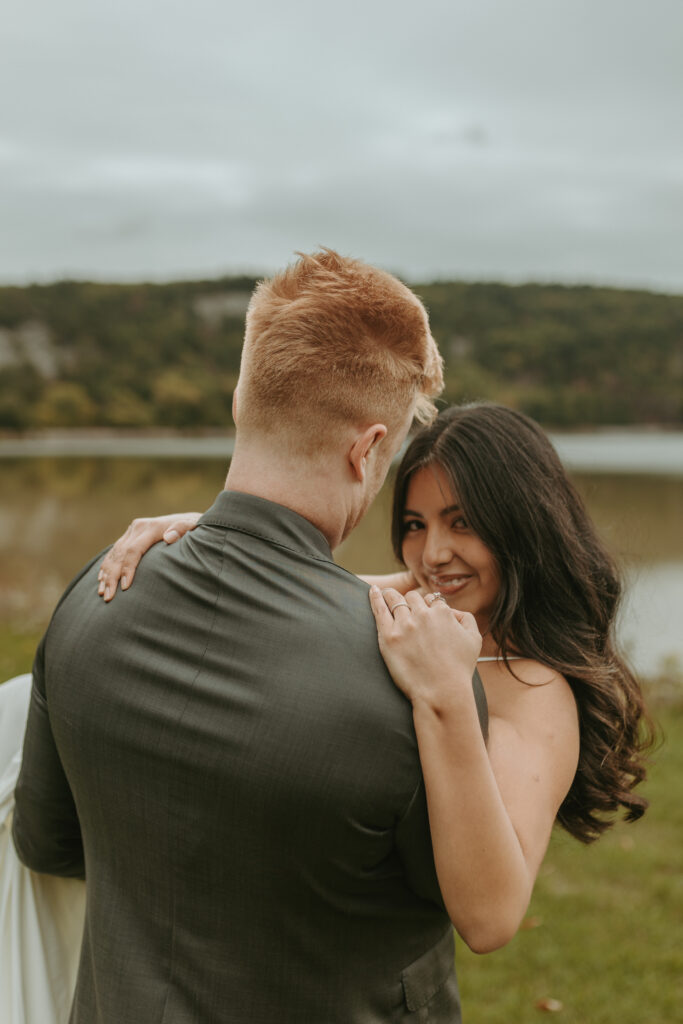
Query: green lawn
<point x="607" y="935"/>
<point x="16" y="651"/>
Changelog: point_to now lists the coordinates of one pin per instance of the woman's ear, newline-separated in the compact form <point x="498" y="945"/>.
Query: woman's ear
<point x="361" y="448"/>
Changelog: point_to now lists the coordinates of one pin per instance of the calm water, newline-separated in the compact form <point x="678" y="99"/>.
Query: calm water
<point x="56" y="510"/>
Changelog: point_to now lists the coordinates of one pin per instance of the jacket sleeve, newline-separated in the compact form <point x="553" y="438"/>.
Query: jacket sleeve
<point x="45" y="827"/>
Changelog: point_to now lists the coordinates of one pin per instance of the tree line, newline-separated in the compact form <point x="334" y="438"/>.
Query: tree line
<point x="78" y="354"/>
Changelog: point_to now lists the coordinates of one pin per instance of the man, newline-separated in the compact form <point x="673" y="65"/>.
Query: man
<point x="221" y="751"/>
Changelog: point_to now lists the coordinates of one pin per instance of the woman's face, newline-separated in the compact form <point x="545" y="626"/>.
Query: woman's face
<point x="441" y="550"/>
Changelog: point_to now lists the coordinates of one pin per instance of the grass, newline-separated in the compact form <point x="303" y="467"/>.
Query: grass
<point x="17" y="650"/>
<point x="604" y="931"/>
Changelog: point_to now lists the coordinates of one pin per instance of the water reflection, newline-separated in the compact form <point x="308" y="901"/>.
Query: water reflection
<point x="640" y="517"/>
<point x="56" y="513"/>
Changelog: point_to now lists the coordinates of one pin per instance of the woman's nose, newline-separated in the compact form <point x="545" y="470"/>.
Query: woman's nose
<point x="437" y="551"/>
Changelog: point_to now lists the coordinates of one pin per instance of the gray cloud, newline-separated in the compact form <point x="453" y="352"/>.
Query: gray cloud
<point x="478" y="139"/>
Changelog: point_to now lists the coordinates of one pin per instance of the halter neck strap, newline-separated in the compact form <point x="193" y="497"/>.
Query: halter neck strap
<point x="511" y="657"/>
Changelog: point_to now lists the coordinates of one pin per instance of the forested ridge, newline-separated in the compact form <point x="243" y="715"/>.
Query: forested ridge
<point x="76" y="354"/>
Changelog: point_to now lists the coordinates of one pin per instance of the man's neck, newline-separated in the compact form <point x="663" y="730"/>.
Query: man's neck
<point x="310" y="490"/>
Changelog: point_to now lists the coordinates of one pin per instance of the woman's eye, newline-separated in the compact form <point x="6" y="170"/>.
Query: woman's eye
<point x="411" y="525"/>
<point x="460" y="523"/>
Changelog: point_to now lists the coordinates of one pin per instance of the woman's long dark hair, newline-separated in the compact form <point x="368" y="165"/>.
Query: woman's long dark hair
<point x="559" y="591"/>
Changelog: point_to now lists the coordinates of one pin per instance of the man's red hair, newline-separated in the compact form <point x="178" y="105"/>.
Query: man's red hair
<point x="332" y="340"/>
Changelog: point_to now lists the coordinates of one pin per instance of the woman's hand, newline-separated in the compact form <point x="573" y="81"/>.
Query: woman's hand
<point x="430" y="650"/>
<point x="142" y="534"/>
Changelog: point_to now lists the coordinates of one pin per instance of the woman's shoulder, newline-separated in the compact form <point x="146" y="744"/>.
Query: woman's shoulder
<point x="532" y="711"/>
<point x="527" y="692"/>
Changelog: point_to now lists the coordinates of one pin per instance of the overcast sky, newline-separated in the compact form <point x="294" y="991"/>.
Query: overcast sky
<point x="540" y="139"/>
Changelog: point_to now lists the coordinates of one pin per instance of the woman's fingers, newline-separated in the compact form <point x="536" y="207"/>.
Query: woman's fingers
<point x="389" y="605"/>
<point x="400" y="606"/>
<point x="468" y="623"/>
<point x="428" y="647"/>
<point x="381" y="610"/>
<point x="398" y="603"/>
<point x="182" y="525"/>
<point x="124" y="557"/>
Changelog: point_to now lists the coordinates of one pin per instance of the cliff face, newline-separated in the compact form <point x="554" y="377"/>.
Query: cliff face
<point x="30" y="344"/>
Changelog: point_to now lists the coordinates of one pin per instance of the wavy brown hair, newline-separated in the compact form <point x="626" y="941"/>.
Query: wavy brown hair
<point x="559" y="593"/>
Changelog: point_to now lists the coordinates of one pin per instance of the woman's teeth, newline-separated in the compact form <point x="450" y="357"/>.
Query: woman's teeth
<point x="448" y="583"/>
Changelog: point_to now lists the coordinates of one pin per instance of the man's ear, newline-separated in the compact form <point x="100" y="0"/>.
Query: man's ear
<point x="234" y="406"/>
<point x="361" y="448"/>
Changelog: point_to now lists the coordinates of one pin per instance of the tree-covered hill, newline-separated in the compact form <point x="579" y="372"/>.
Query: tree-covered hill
<point x="576" y="356"/>
<point x="83" y="354"/>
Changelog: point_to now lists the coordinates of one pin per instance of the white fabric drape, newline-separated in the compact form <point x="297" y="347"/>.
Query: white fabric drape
<point x="41" y="917"/>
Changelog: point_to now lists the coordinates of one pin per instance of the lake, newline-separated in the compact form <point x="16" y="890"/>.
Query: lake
<point x="66" y="497"/>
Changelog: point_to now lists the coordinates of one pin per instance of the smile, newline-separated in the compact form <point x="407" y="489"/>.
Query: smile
<point x="447" y="585"/>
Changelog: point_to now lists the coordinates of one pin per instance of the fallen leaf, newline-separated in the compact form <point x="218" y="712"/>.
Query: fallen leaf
<point x="550" y="1005"/>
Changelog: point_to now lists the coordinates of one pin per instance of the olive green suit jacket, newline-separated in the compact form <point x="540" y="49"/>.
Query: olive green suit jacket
<point x="223" y="754"/>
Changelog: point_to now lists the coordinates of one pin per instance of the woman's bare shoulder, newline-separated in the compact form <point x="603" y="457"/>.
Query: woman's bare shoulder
<point x="534" y="723"/>
<point x="528" y="692"/>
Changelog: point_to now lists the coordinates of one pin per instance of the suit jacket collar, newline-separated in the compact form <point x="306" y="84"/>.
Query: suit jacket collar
<point x="235" y="510"/>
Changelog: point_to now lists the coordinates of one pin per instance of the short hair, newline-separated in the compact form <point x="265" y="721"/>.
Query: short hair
<point x="331" y="340"/>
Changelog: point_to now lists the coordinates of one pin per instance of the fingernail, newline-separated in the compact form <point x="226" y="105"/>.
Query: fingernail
<point x="100" y="589"/>
<point x="170" y="536"/>
<point x="124" y="583"/>
<point x="107" y="593"/>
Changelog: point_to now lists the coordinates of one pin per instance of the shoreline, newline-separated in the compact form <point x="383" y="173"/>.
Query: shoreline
<point x="33" y="433"/>
<point x="638" y="451"/>
<point x="113" y="444"/>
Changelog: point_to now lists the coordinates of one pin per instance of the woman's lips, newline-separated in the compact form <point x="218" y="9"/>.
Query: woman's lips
<point x="447" y="585"/>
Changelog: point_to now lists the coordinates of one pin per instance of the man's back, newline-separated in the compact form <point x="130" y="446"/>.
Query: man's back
<point x="249" y="790"/>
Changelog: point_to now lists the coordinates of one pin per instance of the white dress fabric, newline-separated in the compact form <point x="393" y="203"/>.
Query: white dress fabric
<point x="41" y="917"/>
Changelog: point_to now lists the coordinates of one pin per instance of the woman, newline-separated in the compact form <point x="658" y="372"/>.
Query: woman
<point x="485" y="514"/>
<point x="500" y="552"/>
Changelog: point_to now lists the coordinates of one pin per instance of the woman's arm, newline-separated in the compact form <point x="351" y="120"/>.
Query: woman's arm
<point x="400" y="581"/>
<point x="491" y="810"/>
<point x="124" y="557"/>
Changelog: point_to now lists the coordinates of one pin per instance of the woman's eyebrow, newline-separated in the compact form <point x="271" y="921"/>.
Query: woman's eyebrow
<point x="443" y="512"/>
